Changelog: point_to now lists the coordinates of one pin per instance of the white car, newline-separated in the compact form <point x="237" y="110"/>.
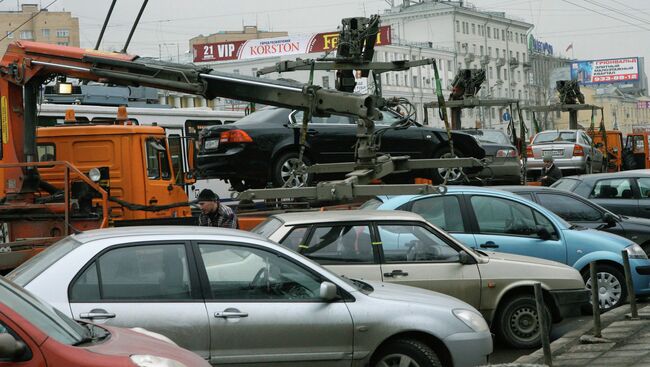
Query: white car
<point x="236" y="298"/>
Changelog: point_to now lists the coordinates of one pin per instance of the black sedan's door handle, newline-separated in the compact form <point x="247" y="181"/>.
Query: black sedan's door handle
<point x="489" y="244"/>
<point x="396" y="273"/>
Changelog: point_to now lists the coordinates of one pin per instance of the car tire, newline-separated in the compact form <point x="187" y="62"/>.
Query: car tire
<point x="612" y="281"/>
<point x="516" y="323"/>
<point x="405" y="352"/>
<point x="283" y="166"/>
<point x="437" y="175"/>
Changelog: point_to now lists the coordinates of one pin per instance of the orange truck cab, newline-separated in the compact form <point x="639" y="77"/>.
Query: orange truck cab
<point x="132" y="163"/>
<point x="614" y="146"/>
<point x="635" y="154"/>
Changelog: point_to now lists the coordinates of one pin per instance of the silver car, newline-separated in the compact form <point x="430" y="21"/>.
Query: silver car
<point x="570" y="149"/>
<point x="403" y="248"/>
<point x="235" y="298"/>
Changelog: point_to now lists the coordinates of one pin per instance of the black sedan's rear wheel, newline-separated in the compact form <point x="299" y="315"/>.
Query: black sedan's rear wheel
<point x="289" y="168"/>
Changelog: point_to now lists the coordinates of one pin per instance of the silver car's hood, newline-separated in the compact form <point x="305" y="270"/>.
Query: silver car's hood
<point x="522" y="259"/>
<point x="406" y="294"/>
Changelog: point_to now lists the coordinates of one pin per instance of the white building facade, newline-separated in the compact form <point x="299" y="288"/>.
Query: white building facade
<point x="479" y="39"/>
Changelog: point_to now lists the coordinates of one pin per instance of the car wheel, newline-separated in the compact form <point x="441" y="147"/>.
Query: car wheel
<point x="517" y="324"/>
<point x="405" y="353"/>
<point x="288" y="168"/>
<point x="611" y="286"/>
<point x="454" y="175"/>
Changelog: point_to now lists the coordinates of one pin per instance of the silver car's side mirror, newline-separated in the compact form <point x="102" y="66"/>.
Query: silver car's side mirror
<point x="328" y="291"/>
<point x="465" y="258"/>
<point x="10" y="348"/>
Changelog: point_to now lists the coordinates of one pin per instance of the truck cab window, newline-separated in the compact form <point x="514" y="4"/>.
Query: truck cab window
<point x="157" y="160"/>
<point x="176" y="153"/>
<point x="46" y="152"/>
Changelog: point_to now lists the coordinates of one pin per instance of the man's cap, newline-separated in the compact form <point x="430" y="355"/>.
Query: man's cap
<point x="548" y="158"/>
<point x="207" y="195"/>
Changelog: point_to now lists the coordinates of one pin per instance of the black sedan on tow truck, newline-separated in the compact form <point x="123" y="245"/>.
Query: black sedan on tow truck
<point x="262" y="149"/>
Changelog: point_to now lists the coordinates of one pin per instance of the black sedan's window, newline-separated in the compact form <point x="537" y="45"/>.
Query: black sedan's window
<point x="569" y="208"/>
<point x="618" y="188"/>
<point x="332" y="119"/>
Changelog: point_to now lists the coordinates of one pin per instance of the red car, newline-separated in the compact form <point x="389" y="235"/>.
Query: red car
<point x="33" y="333"/>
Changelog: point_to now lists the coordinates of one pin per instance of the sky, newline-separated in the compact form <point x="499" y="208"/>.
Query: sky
<point x="596" y="28"/>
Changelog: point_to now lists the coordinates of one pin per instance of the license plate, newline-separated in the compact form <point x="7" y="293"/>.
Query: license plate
<point x="554" y="152"/>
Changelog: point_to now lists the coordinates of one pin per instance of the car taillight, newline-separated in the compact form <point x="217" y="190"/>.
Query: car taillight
<point x="235" y="136"/>
<point x="529" y="152"/>
<point x="506" y="153"/>
<point x="577" y="151"/>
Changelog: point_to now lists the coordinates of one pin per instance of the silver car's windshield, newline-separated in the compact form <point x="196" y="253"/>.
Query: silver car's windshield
<point x="30" y="269"/>
<point x="49" y="320"/>
<point x="555" y="137"/>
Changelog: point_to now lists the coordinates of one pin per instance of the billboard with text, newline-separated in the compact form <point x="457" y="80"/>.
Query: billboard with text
<point x="605" y="71"/>
<point x="279" y="46"/>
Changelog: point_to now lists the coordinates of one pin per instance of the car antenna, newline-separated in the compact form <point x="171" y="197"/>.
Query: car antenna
<point x="108" y="17"/>
<point x="135" y="25"/>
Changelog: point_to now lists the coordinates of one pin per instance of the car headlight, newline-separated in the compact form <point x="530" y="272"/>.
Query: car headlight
<point x="154" y="361"/>
<point x="211" y="144"/>
<point x="636" y="252"/>
<point x="472" y="319"/>
<point x="94" y="174"/>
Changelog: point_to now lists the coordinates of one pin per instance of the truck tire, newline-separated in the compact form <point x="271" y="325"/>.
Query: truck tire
<point x="612" y="291"/>
<point x="516" y="323"/>
<point x="405" y="352"/>
<point x="283" y="167"/>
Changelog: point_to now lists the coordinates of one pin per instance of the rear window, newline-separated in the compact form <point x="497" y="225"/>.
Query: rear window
<point x="566" y="184"/>
<point x="268" y="227"/>
<point x="489" y="136"/>
<point x="271" y="115"/>
<point x="371" y="204"/>
<point x="555" y="137"/>
<point x="28" y="270"/>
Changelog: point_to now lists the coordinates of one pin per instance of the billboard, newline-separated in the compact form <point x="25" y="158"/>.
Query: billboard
<point x="279" y="46"/>
<point x="605" y="71"/>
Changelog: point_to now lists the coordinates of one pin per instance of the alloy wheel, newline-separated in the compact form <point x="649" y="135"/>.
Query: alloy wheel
<point x="450" y="174"/>
<point x="397" y="360"/>
<point x="294" y="171"/>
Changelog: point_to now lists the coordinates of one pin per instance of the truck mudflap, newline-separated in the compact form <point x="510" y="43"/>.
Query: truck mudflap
<point x="570" y="301"/>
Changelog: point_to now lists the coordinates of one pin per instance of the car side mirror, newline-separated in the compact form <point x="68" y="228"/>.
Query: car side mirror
<point x="328" y="291"/>
<point x="610" y="219"/>
<point x="543" y="233"/>
<point x="465" y="258"/>
<point x="10" y="348"/>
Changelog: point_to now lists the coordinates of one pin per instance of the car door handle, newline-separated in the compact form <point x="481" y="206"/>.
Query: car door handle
<point x="153" y="201"/>
<point x="96" y="313"/>
<point x="489" y="244"/>
<point x="230" y="312"/>
<point x="396" y="273"/>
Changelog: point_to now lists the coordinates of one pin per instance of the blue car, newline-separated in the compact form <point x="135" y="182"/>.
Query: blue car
<point x="494" y="220"/>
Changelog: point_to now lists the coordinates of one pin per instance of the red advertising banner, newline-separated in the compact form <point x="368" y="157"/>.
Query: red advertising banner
<point x="279" y="46"/>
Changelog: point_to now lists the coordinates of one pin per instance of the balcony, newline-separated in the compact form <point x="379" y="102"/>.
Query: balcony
<point x="469" y="57"/>
<point x="513" y="62"/>
<point x="527" y="65"/>
<point x="485" y="60"/>
<point x="501" y="62"/>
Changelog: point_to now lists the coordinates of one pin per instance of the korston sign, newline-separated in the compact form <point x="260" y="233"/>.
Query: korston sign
<point x="279" y="46"/>
<point x="605" y="71"/>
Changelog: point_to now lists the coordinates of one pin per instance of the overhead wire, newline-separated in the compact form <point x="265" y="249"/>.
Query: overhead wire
<point x="606" y="15"/>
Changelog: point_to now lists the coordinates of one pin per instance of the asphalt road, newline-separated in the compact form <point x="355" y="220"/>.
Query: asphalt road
<point x="503" y="354"/>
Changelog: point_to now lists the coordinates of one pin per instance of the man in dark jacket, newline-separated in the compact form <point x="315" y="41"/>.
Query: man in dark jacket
<point x="550" y="172"/>
<point x="213" y="213"/>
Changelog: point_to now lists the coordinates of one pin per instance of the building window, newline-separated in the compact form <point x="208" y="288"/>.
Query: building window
<point x="26" y="35"/>
<point x="481" y="49"/>
<point x="505" y="74"/>
<point x="458" y="46"/>
<point x="519" y="77"/>
<point x="491" y="72"/>
<point x="503" y="34"/>
<point x="10" y="34"/>
<point x="474" y="49"/>
<point x="406" y="80"/>
<point x="62" y="33"/>
<point x="488" y="32"/>
<point x="45" y="32"/>
<point x="490" y="51"/>
<point x="326" y="82"/>
<point x="415" y="81"/>
<point x="62" y="43"/>
<point x="457" y="26"/>
<point x="511" y="54"/>
<point x="473" y="28"/>
<point x="497" y="51"/>
<point x="517" y="56"/>
<point x="504" y="53"/>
